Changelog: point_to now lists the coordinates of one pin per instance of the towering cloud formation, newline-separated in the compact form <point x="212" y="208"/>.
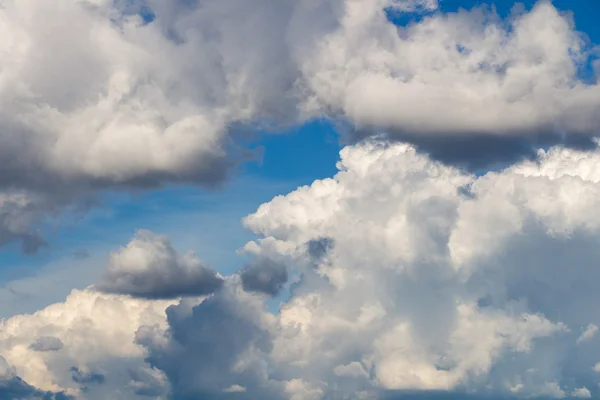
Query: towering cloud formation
<point x="439" y="280"/>
<point x="145" y="92"/>
<point x="410" y="276"/>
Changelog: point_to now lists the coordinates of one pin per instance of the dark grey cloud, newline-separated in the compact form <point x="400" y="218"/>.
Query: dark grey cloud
<point x="70" y="144"/>
<point x="16" y="388"/>
<point x="213" y="346"/>
<point x="264" y="276"/>
<point x="149" y="267"/>
<point x="146" y="385"/>
<point x="479" y="152"/>
<point x="47" y="343"/>
<point x="81" y="377"/>
<point x="318" y="248"/>
<point x="32" y="242"/>
<point x="156" y="286"/>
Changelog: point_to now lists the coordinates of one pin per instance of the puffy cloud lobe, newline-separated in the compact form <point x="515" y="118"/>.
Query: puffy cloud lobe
<point x="582" y="393"/>
<point x="150" y="267"/>
<point x="588" y="333"/>
<point x="463" y="73"/>
<point x="468" y="88"/>
<point x="100" y="114"/>
<point x="97" y="332"/>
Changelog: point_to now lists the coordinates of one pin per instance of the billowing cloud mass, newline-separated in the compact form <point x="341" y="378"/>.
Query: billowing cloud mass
<point x="136" y="93"/>
<point x="406" y="273"/>
<point x="409" y="276"/>
<point x="150" y="267"/>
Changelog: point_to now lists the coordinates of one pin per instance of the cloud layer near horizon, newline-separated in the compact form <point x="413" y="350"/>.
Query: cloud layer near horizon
<point x="410" y="276"/>
<point x="105" y="99"/>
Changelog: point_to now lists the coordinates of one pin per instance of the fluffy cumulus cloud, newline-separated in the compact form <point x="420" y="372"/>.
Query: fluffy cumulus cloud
<point x="472" y="71"/>
<point x="82" y="348"/>
<point x="407" y="276"/>
<point x="144" y="92"/>
<point x="150" y="267"/>
<point x="431" y="280"/>
<point x="403" y="273"/>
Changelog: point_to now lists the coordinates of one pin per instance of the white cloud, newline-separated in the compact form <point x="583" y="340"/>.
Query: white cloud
<point x="97" y="332"/>
<point x="588" y="333"/>
<point x="410" y="275"/>
<point x="463" y="73"/>
<point x="436" y="288"/>
<point x="582" y="393"/>
<point x="235" y="389"/>
<point x="142" y="108"/>
<point x="298" y="389"/>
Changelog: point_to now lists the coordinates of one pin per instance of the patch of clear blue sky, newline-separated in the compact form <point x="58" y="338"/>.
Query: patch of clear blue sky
<point x="206" y="221"/>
